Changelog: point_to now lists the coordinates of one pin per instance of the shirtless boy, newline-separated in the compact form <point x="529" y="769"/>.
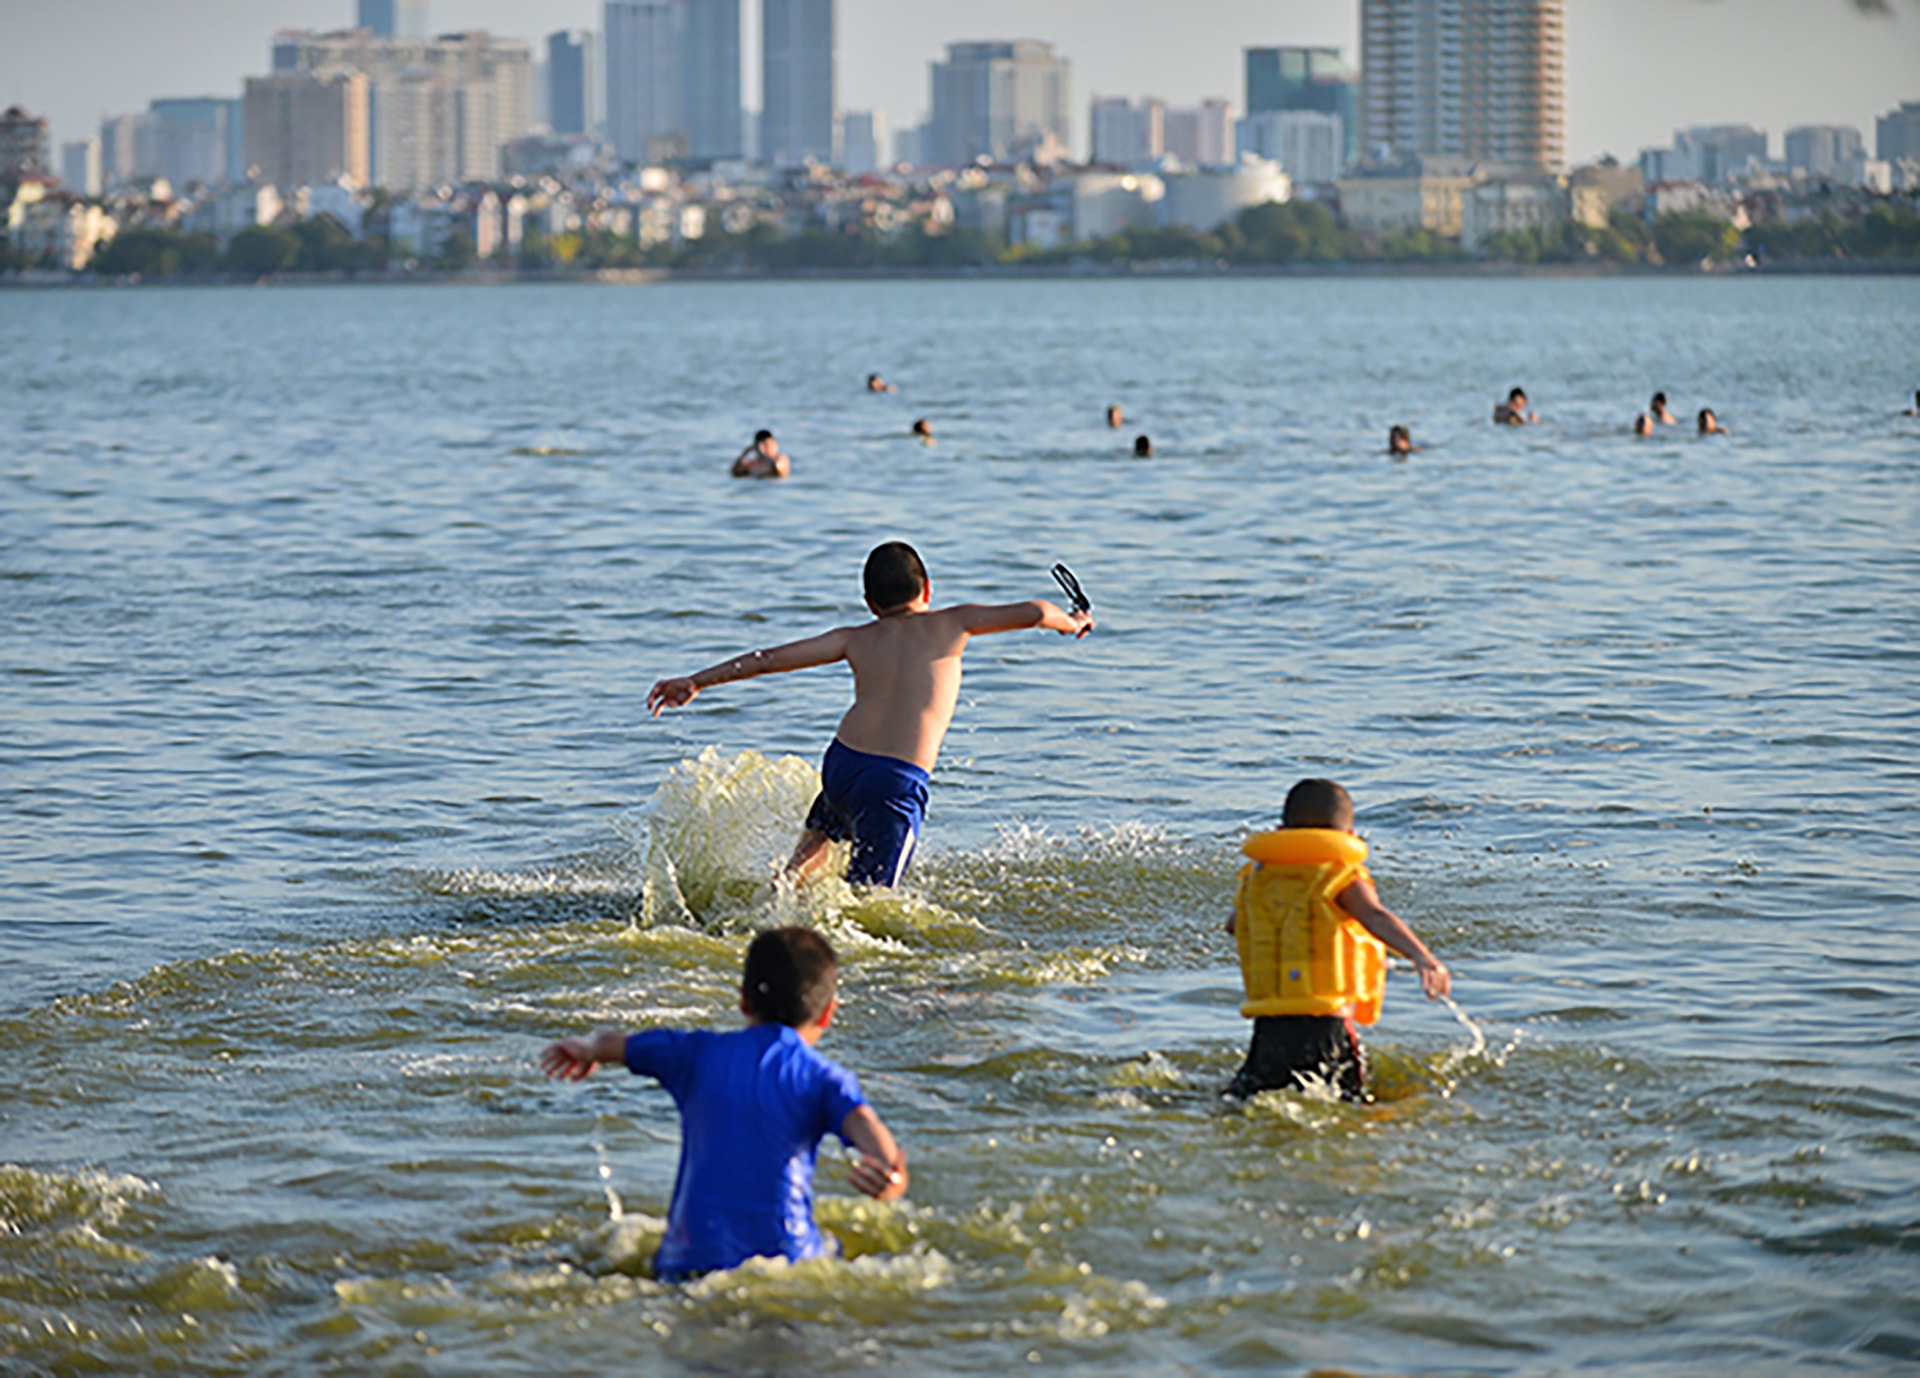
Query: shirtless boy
<point x="906" y="681"/>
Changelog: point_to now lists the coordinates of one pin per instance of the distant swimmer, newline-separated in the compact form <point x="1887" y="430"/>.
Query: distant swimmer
<point x="1313" y="937"/>
<point x="1710" y="424"/>
<point x="906" y="683"/>
<point x="1661" y="413"/>
<point x="1115" y="418"/>
<point x="1142" y="447"/>
<point x="1914" y="410"/>
<point x="923" y="430"/>
<point x="875" y="383"/>
<point x="1400" y="441"/>
<point x="1643" y="424"/>
<point x="1513" y="411"/>
<point x="762" y="459"/>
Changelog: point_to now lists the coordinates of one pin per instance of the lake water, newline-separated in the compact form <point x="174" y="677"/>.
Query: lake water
<point x="328" y="796"/>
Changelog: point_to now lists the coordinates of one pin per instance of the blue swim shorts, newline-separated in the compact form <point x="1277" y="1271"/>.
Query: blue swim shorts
<point x="878" y="803"/>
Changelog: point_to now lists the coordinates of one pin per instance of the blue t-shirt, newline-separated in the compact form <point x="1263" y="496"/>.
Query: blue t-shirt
<point x="754" y="1105"/>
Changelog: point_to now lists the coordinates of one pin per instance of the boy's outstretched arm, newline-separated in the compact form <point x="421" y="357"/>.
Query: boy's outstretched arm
<point x="1360" y="900"/>
<point x="573" y="1059"/>
<point x="981" y="618"/>
<point x="795" y="655"/>
<point x="882" y="1170"/>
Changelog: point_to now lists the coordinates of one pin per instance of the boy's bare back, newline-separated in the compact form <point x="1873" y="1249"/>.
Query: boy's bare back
<point x="906" y="670"/>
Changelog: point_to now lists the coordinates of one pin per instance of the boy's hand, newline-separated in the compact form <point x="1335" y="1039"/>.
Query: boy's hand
<point x="1435" y="979"/>
<point x="671" y="693"/>
<point x="1082" y="621"/>
<point x="571" y="1059"/>
<point x="874" y="1178"/>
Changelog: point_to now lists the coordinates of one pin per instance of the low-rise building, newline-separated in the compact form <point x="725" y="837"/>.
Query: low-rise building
<point x="1511" y="204"/>
<point x="1207" y="198"/>
<point x="1422" y="194"/>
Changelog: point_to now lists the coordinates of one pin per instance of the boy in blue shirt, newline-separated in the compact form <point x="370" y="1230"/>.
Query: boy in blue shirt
<point x="754" y="1105"/>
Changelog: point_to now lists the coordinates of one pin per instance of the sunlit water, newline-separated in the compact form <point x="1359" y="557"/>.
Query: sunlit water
<point x="325" y="779"/>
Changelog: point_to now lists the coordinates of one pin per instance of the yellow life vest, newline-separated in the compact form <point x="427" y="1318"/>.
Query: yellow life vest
<point x="1300" y="952"/>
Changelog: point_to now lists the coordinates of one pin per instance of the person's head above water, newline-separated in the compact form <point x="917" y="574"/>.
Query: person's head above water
<point x="762" y="437"/>
<point x="1516" y="397"/>
<point x="1709" y="423"/>
<point x="1399" y="440"/>
<point x="1643" y="424"/>
<point x="790" y="977"/>
<point x="923" y="428"/>
<point x="1659" y="402"/>
<point x="1115" y="417"/>
<point x="1318" y="804"/>
<point x="1142" y="447"/>
<point x="894" y="577"/>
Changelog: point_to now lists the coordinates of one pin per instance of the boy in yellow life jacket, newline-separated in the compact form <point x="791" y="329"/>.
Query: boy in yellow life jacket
<point x="1312" y="936"/>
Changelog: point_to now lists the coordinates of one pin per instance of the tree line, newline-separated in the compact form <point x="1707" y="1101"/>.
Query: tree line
<point x="1294" y="232"/>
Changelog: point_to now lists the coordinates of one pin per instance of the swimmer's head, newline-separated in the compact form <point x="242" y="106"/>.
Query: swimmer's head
<point x="1318" y="804"/>
<point x="790" y="977"/>
<point x="894" y="576"/>
<point x="923" y="428"/>
<point x="1114" y="417"/>
<point x="1142" y="447"/>
<point x="1399" y="440"/>
<point x="764" y="442"/>
<point x="1708" y="421"/>
<point x="1643" y="424"/>
<point x="1659" y="403"/>
<point x="1517" y="397"/>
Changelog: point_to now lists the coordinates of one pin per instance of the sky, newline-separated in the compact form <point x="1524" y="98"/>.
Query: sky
<point x="1636" y="69"/>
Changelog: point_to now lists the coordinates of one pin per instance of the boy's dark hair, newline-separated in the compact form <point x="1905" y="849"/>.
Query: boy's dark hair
<point x="894" y="576"/>
<point x="1317" y="804"/>
<point x="791" y="974"/>
<point x="759" y="436"/>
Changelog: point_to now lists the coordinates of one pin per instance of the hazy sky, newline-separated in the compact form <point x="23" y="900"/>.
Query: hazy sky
<point x="1636" y="69"/>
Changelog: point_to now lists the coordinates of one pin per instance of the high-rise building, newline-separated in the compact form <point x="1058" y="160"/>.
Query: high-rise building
<point x="1127" y="134"/>
<point x="456" y="100"/>
<point x="23" y="145"/>
<point x="198" y="139"/>
<point x="798" y="100"/>
<point x="1477" y="79"/>
<point x="573" y="80"/>
<point x="80" y="168"/>
<point x="394" y="18"/>
<point x="711" y="88"/>
<point x="1896" y="134"/>
<point x="126" y="148"/>
<point x="863" y="141"/>
<point x="997" y="100"/>
<point x="1824" y="150"/>
<point x="304" y="129"/>
<point x="1316" y="79"/>
<point x="1204" y="135"/>
<point x="646" y="47"/>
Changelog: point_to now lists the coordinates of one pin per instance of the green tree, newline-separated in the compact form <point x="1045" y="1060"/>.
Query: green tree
<point x="1694" y="237"/>
<point x="261" y="251"/>
<point x="456" y="254"/>
<point x="325" y="246"/>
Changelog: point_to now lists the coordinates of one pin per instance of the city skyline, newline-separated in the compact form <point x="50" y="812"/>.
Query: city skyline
<point x="1636" y="69"/>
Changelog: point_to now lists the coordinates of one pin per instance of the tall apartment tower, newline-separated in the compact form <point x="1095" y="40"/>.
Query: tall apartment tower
<point x="573" y="80"/>
<point x="1480" y="79"/>
<point x="646" y="55"/>
<point x="996" y="100"/>
<point x="395" y="18"/>
<point x="798" y="104"/>
<point x="711" y="88"/>
<point x="303" y="129"/>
